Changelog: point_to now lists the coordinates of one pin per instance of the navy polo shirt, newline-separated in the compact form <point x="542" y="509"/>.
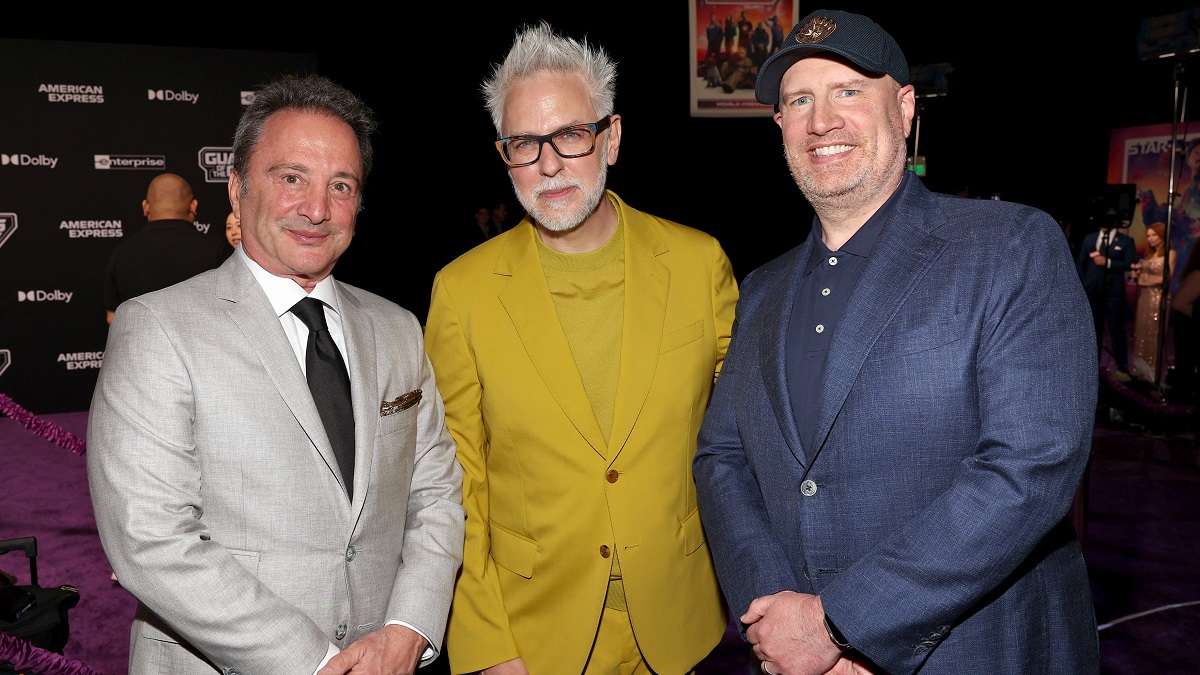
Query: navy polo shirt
<point x="825" y="286"/>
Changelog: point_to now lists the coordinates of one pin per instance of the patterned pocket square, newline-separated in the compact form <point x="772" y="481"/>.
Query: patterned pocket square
<point x="402" y="402"/>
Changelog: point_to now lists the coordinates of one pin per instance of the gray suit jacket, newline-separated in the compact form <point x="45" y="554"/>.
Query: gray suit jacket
<point x="218" y="499"/>
<point x="953" y="425"/>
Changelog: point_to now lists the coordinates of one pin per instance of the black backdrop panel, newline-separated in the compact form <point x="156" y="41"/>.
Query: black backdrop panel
<point x="84" y="127"/>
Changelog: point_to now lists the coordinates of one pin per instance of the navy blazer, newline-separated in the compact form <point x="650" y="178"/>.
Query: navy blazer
<point x="953" y="430"/>
<point x="1122" y="254"/>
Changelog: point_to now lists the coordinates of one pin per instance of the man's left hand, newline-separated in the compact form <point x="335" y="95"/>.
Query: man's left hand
<point x="787" y="633"/>
<point x="392" y="650"/>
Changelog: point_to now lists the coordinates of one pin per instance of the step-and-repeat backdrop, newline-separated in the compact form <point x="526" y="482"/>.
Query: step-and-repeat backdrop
<point x="84" y="127"/>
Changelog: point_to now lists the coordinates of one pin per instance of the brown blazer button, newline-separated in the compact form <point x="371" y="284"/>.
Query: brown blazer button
<point x="605" y="551"/>
<point x="612" y="475"/>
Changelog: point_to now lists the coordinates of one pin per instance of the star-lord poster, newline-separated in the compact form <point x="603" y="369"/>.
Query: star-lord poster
<point x="729" y="41"/>
<point x="1142" y="156"/>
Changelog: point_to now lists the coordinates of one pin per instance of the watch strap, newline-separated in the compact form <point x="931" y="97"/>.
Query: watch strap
<point x="836" y="635"/>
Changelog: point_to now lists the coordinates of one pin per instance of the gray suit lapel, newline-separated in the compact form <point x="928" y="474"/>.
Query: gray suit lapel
<point x="250" y="310"/>
<point x="362" y="352"/>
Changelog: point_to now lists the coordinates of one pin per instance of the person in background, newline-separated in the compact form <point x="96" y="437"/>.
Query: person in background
<point x="261" y="529"/>
<point x="1103" y="259"/>
<point x="1147" y="327"/>
<point x="576" y="352"/>
<point x="1185" y="211"/>
<point x="904" y="415"/>
<point x="233" y="229"/>
<point x="499" y="222"/>
<point x="166" y="251"/>
<point x="483" y="219"/>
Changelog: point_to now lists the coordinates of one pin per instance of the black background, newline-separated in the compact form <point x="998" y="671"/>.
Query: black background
<point x="1032" y="100"/>
<point x="1034" y="95"/>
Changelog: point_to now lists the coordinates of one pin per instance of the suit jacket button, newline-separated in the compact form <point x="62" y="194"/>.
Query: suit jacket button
<point x="612" y="475"/>
<point x="605" y="551"/>
<point x="350" y="553"/>
<point x="808" y="488"/>
<point x="340" y="632"/>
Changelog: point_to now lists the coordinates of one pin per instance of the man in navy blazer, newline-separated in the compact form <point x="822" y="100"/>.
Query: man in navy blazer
<point x="1103" y="260"/>
<point x="885" y="469"/>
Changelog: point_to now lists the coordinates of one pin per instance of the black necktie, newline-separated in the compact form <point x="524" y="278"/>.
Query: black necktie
<point x="330" y="386"/>
<point x="1104" y="236"/>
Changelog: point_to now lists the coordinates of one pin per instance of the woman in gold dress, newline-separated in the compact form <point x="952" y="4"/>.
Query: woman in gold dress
<point x="1148" y="316"/>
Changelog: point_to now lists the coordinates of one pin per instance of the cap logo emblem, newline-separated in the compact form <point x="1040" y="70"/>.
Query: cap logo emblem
<point x="815" y="29"/>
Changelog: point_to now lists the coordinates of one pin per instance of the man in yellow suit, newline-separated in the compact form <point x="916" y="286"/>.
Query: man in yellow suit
<point x="575" y="353"/>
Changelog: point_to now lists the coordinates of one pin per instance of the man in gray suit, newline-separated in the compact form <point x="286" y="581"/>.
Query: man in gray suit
<point x="250" y="544"/>
<point x="906" y="407"/>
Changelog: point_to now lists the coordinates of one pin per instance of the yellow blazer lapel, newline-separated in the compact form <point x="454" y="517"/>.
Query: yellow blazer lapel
<point x="527" y="300"/>
<point x="647" y="282"/>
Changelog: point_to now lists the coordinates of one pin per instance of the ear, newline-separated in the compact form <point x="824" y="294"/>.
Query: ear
<point x="195" y="205"/>
<point x="614" y="139"/>
<point x="145" y="207"/>
<point x="234" y="189"/>
<point x="908" y="106"/>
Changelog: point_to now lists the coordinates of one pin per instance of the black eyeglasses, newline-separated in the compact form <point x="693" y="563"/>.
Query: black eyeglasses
<point x="573" y="141"/>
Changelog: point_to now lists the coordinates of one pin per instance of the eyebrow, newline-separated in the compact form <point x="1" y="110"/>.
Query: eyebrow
<point x="555" y="130"/>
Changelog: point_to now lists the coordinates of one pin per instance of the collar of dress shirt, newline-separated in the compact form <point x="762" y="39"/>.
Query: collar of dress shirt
<point x="284" y="293"/>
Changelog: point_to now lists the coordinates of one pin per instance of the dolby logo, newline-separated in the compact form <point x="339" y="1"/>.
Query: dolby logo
<point x="44" y="296"/>
<point x="22" y="159"/>
<point x="184" y="96"/>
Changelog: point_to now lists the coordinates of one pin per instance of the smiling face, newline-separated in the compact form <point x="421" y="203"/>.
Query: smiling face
<point x="844" y="133"/>
<point x="233" y="230"/>
<point x="303" y="188"/>
<point x="559" y="193"/>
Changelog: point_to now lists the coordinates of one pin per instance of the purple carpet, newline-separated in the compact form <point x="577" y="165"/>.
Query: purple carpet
<point x="1141" y="540"/>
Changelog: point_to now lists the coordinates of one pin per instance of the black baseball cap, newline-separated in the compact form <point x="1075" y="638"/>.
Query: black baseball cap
<point x="854" y="37"/>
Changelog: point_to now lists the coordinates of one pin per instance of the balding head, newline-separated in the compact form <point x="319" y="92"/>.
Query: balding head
<point x="169" y="196"/>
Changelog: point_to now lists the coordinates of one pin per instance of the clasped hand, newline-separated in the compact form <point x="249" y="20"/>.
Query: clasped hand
<point x="787" y="633"/>
<point x="391" y="650"/>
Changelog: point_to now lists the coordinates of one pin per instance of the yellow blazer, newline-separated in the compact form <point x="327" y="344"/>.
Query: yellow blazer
<point x="544" y="507"/>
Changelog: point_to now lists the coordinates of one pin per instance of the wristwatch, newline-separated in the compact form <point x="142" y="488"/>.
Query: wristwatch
<point x="836" y="635"/>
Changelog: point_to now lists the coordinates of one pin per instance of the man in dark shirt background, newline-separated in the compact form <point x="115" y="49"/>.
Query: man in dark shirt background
<point x="499" y="220"/>
<point x="166" y="251"/>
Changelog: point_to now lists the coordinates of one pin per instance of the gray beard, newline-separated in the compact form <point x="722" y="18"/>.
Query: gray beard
<point x="562" y="220"/>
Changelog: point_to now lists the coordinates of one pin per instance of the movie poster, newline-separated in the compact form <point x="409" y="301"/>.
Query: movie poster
<point x="729" y="41"/>
<point x="1142" y="156"/>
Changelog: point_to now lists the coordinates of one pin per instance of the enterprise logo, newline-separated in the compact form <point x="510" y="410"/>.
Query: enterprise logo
<point x="148" y="162"/>
<point x="216" y="163"/>
<point x="44" y="296"/>
<point x="22" y="159"/>
<point x="8" y="226"/>
<point x="247" y="97"/>
<point x="184" y="96"/>
<point x="5" y="359"/>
